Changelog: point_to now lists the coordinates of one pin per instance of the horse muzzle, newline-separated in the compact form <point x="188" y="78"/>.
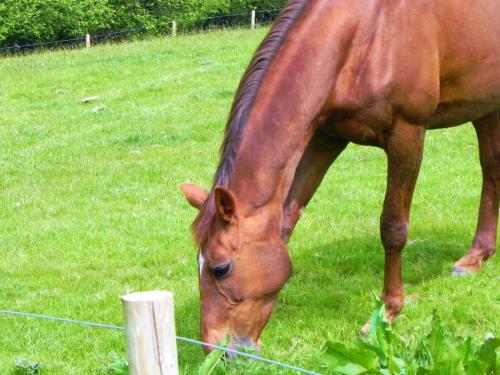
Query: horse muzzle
<point x="242" y="345"/>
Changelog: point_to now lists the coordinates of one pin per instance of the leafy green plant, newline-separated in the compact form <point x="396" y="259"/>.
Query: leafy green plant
<point x="213" y="359"/>
<point x="438" y="353"/>
<point x="27" y="367"/>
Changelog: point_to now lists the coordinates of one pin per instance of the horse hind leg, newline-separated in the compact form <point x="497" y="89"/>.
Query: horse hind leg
<point x="484" y="242"/>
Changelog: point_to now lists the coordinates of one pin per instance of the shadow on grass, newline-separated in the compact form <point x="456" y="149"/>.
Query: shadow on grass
<point x="341" y="277"/>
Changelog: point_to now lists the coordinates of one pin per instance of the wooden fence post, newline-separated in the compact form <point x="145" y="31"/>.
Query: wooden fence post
<point x="87" y="40"/>
<point x="174" y="28"/>
<point x="252" y="21"/>
<point x="150" y="330"/>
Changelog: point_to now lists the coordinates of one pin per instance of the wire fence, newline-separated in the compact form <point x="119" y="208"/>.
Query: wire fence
<point x="182" y="26"/>
<point x="179" y="338"/>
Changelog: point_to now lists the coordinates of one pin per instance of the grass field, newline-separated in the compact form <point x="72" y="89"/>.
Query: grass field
<point x="90" y="210"/>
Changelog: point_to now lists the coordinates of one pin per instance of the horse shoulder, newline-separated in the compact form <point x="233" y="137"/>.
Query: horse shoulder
<point x="392" y="69"/>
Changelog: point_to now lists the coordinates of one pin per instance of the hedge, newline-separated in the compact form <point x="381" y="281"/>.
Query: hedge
<point x="36" y="21"/>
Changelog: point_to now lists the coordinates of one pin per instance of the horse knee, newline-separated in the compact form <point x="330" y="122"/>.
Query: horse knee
<point x="394" y="233"/>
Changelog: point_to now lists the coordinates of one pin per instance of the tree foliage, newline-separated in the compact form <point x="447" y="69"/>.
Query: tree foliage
<point x="35" y="21"/>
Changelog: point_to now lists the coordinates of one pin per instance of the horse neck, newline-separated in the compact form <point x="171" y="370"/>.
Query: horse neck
<point x="289" y="106"/>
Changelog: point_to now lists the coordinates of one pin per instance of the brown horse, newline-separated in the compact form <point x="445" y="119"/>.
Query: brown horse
<point x="330" y="72"/>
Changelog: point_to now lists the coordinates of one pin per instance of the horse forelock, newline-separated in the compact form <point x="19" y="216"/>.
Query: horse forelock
<point x="240" y="110"/>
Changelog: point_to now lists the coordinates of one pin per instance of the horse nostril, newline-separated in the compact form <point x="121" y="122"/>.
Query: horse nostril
<point x="222" y="270"/>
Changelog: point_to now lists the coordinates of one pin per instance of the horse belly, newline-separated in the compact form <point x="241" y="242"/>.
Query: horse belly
<point x="453" y="115"/>
<point x="469" y="98"/>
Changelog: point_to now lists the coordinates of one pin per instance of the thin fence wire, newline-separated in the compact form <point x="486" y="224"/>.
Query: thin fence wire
<point x="179" y="338"/>
<point x="222" y="21"/>
<point x="43" y="44"/>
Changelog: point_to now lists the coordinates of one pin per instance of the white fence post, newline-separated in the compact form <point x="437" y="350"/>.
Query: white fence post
<point x="252" y="21"/>
<point x="150" y="330"/>
<point x="174" y="28"/>
<point x="87" y="40"/>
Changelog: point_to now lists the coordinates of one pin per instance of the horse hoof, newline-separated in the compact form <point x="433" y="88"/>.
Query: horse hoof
<point x="461" y="272"/>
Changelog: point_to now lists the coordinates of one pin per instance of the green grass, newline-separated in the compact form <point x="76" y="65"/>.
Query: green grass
<point x="90" y="210"/>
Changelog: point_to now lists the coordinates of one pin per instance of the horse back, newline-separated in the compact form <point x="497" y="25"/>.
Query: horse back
<point x="435" y="62"/>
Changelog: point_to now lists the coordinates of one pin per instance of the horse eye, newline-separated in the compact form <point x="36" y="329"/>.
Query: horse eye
<point x="222" y="270"/>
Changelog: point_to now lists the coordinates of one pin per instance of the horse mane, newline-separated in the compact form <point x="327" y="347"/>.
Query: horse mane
<point x="240" y="110"/>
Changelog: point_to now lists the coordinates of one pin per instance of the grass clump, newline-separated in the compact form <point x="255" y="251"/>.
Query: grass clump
<point x="118" y="367"/>
<point x="26" y="367"/>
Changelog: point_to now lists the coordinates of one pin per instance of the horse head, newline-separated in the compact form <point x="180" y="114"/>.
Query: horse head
<point x="243" y="264"/>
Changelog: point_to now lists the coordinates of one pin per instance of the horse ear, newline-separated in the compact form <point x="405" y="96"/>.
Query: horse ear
<point x="195" y="195"/>
<point x="225" y="204"/>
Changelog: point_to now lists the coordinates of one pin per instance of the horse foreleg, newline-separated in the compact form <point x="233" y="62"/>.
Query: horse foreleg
<point x="484" y="242"/>
<point x="404" y="149"/>
<point x="318" y="156"/>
